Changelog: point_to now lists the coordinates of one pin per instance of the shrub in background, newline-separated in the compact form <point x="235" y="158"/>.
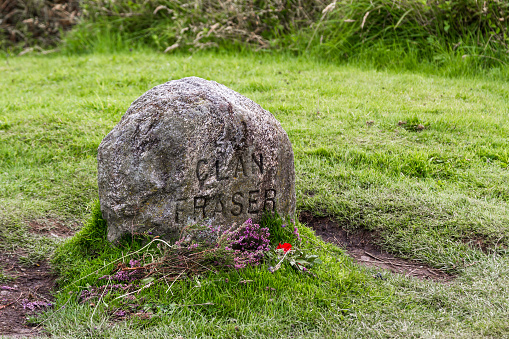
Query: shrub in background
<point x="430" y="30"/>
<point x="196" y="24"/>
<point x="25" y="23"/>
<point x="404" y="33"/>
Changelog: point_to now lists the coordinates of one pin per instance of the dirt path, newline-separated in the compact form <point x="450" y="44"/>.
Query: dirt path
<point x="361" y="247"/>
<point x="29" y="290"/>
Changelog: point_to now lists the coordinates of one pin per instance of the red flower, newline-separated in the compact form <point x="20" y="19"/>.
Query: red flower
<point x="286" y="247"/>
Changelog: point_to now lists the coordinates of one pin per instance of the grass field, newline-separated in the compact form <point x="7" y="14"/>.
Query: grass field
<point x="420" y="160"/>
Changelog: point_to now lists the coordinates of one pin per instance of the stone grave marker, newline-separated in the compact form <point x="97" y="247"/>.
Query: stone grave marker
<point x="193" y="151"/>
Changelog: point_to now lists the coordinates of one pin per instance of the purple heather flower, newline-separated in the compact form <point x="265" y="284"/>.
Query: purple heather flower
<point x="121" y="276"/>
<point x="93" y="292"/>
<point x="120" y="313"/>
<point x="284" y="225"/>
<point x="134" y="263"/>
<point x="246" y="244"/>
<point x="296" y="232"/>
<point x="32" y="305"/>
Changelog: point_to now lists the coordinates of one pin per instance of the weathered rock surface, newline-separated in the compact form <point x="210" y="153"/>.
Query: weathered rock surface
<point x="193" y="150"/>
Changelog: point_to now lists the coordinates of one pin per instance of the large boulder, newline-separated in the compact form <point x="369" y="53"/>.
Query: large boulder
<point x="193" y="151"/>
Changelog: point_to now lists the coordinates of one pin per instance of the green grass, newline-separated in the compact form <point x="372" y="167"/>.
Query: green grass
<point x="437" y="195"/>
<point x="249" y="302"/>
<point x="457" y="38"/>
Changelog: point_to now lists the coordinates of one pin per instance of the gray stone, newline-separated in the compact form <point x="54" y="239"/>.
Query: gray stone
<point x="193" y="151"/>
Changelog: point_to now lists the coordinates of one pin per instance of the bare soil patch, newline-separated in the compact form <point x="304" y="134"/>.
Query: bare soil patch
<point x="361" y="246"/>
<point x="53" y="227"/>
<point x="30" y="287"/>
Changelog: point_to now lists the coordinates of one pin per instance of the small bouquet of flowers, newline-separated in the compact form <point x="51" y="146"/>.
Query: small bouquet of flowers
<point x="296" y="258"/>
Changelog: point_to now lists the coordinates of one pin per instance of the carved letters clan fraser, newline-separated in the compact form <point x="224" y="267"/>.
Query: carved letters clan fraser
<point x="190" y="151"/>
<point x="251" y="201"/>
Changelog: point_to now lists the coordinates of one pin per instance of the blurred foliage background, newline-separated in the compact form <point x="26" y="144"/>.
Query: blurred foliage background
<point x="383" y="32"/>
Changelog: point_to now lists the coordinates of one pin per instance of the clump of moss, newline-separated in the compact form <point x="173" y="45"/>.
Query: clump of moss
<point x="87" y="245"/>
